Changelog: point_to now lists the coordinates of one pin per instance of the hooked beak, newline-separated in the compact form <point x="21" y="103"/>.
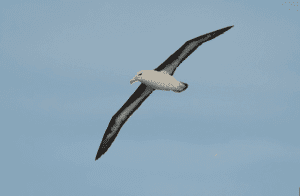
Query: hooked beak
<point x="133" y="80"/>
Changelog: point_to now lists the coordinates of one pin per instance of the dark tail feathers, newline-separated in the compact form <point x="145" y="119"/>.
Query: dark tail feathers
<point x="181" y="87"/>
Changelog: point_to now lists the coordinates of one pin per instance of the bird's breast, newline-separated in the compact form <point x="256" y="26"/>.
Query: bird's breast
<point x="161" y="81"/>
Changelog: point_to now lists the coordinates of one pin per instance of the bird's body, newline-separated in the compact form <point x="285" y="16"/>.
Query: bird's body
<point x="160" y="78"/>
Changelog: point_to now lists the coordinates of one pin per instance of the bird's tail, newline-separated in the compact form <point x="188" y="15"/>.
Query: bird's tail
<point x="182" y="87"/>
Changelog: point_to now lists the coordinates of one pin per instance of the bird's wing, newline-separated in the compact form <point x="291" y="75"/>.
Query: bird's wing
<point x="143" y="91"/>
<point x="118" y="120"/>
<point x="188" y="48"/>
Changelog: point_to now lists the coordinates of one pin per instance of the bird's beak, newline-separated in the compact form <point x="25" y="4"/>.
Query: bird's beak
<point x="133" y="80"/>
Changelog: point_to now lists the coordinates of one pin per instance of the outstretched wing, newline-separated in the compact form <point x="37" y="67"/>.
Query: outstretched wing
<point x="118" y="120"/>
<point x="143" y="91"/>
<point x="188" y="48"/>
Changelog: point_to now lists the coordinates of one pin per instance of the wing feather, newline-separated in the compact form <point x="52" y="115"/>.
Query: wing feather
<point x="186" y="49"/>
<point x="143" y="91"/>
<point x="118" y="120"/>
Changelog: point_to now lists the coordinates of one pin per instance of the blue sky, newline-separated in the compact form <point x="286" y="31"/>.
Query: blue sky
<point x="65" y="68"/>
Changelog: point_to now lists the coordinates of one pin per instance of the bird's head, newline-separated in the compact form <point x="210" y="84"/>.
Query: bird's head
<point x="137" y="77"/>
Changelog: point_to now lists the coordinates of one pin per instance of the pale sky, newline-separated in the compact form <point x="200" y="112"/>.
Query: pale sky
<point x="65" y="68"/>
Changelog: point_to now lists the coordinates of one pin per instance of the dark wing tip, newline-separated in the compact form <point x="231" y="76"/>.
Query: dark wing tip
<point x="229" y="27"/>
<point x="188" y="48"/>
<point x="216" y="33"/>
<point x="211" y="35"/>
<point x="105" y="144"/>
<point x="97" y="157"/>
<point x="100" y="153"/>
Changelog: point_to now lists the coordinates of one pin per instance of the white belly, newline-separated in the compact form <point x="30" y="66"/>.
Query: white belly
<point x="161" y="81"/>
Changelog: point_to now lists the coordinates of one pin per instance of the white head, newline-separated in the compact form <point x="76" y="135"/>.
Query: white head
<point x="139" y="77"/>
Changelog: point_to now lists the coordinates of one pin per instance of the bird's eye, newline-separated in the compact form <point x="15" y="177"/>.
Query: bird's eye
<point x="140" y="74"/>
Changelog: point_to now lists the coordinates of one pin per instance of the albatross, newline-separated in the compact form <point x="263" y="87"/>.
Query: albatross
<point x="160" y="78"/>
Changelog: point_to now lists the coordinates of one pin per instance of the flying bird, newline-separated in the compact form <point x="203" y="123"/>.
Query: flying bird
<point x="160" y="78"/>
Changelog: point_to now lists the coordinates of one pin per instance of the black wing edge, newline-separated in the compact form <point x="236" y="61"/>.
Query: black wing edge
<point x="118" y="120"/>
<point x="186" y="49"/>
